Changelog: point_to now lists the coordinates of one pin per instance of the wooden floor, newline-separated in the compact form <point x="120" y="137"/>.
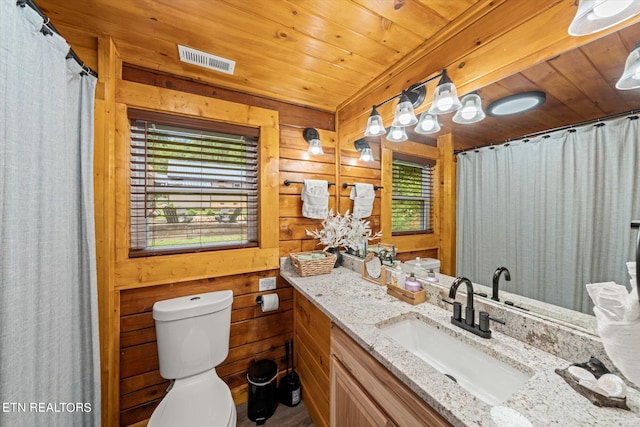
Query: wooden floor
<point x="284" y="417"/>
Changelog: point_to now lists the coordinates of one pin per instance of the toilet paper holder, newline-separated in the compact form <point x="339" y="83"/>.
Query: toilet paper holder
<point x="268" y="302"/>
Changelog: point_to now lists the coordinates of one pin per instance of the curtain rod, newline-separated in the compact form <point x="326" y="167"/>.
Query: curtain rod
<point x="48" y="25"/>
<point x="545" y="133"/>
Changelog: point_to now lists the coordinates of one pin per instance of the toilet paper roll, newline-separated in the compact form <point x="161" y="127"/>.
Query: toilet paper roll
<point x="270" y="302"/>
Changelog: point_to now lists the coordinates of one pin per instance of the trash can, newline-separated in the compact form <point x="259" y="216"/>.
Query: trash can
<point x="262" y="377"/>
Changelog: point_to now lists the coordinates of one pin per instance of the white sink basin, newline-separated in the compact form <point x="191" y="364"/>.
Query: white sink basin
<point x="486" y="377"/>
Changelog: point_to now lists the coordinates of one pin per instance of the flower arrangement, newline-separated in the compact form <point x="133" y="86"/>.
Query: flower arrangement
<point x="345" y="230"/>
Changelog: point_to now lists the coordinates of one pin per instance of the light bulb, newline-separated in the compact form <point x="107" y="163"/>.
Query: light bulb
<point x="427" y="125"/>
<point x="468" y="111"/>
<point x="367" y="155"/>
<point x="374" y="128"/>
<point x="609" y="8"/>
<point x="446" y="101"/>
<point x="396" y="134"/>
<point x="404" y="117"/>
<point x="315" y="147"/>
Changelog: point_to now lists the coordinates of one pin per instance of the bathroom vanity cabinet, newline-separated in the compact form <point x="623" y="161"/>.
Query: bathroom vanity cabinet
<point x="365" y="393"/>
<point x="352" y="375"/>
<point x="311" y="328"/>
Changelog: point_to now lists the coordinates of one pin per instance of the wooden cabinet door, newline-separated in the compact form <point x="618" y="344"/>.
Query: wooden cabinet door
<point x="350" y="405"/>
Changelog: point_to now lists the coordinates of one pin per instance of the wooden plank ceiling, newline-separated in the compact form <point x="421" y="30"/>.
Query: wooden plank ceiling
<point x="320" y="54"/>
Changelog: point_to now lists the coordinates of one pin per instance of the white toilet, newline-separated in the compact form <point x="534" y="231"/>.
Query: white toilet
<point x="193" y="338"/>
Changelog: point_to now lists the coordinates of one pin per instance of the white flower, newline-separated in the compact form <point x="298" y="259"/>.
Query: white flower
<point x="343" y="230"/>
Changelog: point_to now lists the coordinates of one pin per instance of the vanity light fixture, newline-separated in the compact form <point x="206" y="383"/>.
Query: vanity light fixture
<point x="630" y="78"/>
<point x="471" y="110"/>
<point x="427" y="124"/>
<point x="445" y="100"/>
<point x="313" y="138"/>
<point x="596" y="15"/>
<point x="516" y="104"/>
<point x="362" y="146"/>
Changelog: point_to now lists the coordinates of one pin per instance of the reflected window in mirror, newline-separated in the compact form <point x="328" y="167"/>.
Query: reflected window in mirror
<point x="412" y="195"/>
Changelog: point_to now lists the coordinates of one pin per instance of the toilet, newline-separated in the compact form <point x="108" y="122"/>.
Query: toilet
<point x="193" y="338"/>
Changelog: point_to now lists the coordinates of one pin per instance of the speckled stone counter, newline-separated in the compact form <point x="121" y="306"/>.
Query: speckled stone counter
<point x="361" y="308"/>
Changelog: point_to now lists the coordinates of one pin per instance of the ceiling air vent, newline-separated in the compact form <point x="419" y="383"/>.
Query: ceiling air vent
<point x="207" y="60"/>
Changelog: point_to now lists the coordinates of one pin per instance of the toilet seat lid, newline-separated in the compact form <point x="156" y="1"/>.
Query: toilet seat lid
<point x="201" y="402"/>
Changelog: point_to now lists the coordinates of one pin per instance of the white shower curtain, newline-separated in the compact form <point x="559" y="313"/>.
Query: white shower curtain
<point x="49" y="353"/>
<point x="556" y="211"/>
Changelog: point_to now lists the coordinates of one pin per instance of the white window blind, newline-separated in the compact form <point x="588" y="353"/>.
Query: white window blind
<point x="194" y="185"/>
<point x="412" y="196"/>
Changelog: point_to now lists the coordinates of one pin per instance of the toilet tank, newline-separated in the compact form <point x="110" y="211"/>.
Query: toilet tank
<point x="192" y="333"/>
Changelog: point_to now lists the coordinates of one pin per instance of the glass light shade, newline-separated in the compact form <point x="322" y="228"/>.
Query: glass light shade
<point x="427" y="124"/>
<point x="315" y="147"/>
<point x="630" y="78"/>
<point x="445" y="99"/>
<point x="397" y="134"/>
<point x="596" y="15"/>
<point x="375" y="126"/>
<point x="404" y="115"/>
<point x="471" y="110"/>
<point x="366" y="155"/>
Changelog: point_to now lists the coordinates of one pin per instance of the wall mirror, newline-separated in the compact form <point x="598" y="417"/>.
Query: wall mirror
<point x="580" y="86"/>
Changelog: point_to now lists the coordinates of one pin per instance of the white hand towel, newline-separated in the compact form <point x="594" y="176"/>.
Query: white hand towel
<point x="363" y="196"/>
<point x="315" y="198"/>
<point x="618" y="317"/>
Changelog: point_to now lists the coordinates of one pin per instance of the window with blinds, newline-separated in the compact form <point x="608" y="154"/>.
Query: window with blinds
<point x="412" y="196"/>
<point x="194" y="185"/>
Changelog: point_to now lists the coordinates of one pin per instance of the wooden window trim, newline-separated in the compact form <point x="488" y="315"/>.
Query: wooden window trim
<point x="153" y="270"/>
<point x="412" y="241"/>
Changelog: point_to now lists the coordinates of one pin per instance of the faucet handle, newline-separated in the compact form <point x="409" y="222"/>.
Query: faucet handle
<point x="484" y="321"/>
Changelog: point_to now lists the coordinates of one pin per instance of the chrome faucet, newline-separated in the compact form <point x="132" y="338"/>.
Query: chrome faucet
<point x="496" y="279"/>
<point x="468" y="323"/>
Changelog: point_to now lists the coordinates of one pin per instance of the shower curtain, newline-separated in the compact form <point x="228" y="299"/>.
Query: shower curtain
<point x="49" y="366"/>
<point x="555" y="210"/>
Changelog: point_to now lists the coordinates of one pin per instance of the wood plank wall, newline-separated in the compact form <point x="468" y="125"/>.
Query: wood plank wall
<point x="254" y="335"/>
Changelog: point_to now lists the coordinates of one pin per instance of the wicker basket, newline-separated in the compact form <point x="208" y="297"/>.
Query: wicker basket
<point x="313" y="267"/>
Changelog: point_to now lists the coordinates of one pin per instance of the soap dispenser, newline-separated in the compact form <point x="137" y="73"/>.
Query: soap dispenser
<point x="431" y="276"/>
<point x="411" y="284"/>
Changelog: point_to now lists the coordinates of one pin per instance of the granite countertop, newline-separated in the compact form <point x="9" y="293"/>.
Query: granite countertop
<point x="360" y="308"/>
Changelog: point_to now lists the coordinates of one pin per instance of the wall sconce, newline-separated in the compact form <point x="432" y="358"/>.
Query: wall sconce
<point x="596" y="15"/>
<point x="313" y="138"/>
<point x="445" y="100"/>
<point x="630" y="78"/>
<point x="366" y="155"/>
<point x="471" y="110"/>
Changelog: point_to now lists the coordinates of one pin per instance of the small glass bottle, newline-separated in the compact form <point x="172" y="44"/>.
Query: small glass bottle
<point x="418" y="269"/>
<point x="398" y="275"/>
<point x="431" y="276"/>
